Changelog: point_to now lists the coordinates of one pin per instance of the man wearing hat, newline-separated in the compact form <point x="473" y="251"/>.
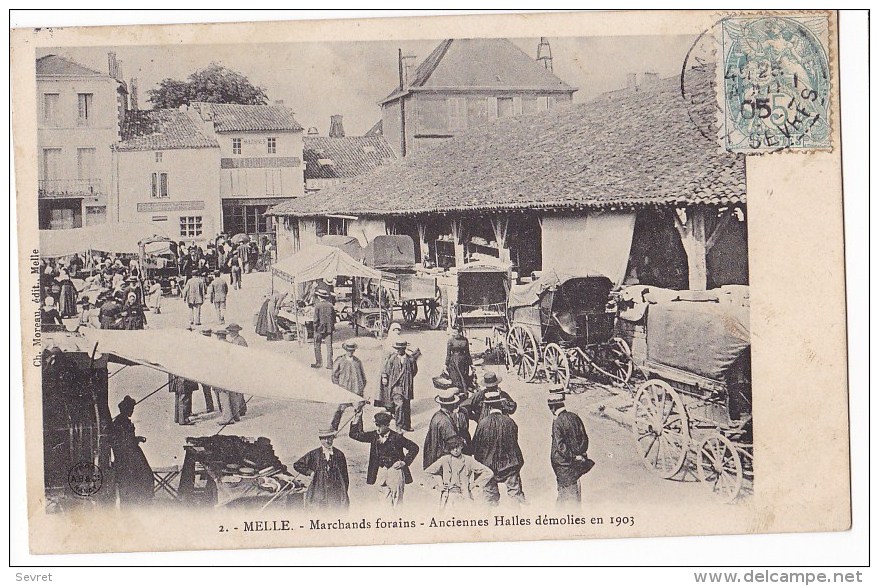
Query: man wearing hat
<point x="569" y="444"/>
<point x="234" y="337"/>
<point x="457" y="475"/>
<point x="182" y="389"/>
<point x="397" y="383"/>
<point x="393" y="337"/>
<point x="217" y="292"/>
<point x="496" y="444"/>
<point x="349" y="374"/>
<point x="477" y="410"/>
<point x="448" y="422"/>
<point x="193" y="294"/>
<point x="390" y="455"/>
<point x="324" y="322"/>
<point x="328" y="469"/>
<point x="207" y="390"/>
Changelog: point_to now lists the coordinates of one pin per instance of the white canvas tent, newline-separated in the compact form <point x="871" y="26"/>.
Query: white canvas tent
<point x="120" y="238"/>
<point x="219" y="364"/>
<point x="318" y="262"/>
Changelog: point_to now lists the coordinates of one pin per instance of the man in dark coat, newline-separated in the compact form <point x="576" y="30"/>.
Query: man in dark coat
<point x="569" y="445"/>
<point x="329" y="474"/>
<point x="397" y="385"/>
<point x="182" y="389"/>
<point x="496" y="444"/>
<point x="477" y="410"/>
<point x="324" y="322"/>
<point x="445" y="424"/>
<point x="390" y="455"/>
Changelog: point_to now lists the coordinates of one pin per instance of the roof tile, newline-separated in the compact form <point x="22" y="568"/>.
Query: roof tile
<point x="146" y="130"/>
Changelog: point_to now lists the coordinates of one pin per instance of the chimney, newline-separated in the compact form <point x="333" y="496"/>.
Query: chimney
<point x="336" y="128"/>
<point x="408" y="69"/>
<point x="650" y="78"/>
<point x="132" y="93"/>
<point x="113" y="65"/>
<point x="544" y="53"/>
<point x="631" y="81"/>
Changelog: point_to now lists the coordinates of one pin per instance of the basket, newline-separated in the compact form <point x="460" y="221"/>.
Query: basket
<point x="442" y="383"/>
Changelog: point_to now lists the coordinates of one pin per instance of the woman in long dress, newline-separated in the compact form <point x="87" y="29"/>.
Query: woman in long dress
<point x="458" y="360"/>
<point x="134" y="477"/>
<point x="267" y="320"/>
<point x="135" y="319"/>
<point x="67" y="300"/>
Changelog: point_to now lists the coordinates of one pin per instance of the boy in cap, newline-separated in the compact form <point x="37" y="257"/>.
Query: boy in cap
<point x="390" y="455"/>
<point x="324" y="322"/>
<point x="496" y="444"/>
<point x="457" y="475"/>
<point x="569" y="444"/>
<point x="349" y="374"/>
<point x="328" y="469"/>
<point x="397" y="384"/>
<point x="447" y="423"/>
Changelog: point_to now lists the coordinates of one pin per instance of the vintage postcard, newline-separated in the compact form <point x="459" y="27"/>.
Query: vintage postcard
<point x="422" y="280"/>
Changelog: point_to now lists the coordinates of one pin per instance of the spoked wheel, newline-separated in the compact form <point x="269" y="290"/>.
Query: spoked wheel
<point x="523" y="354"/>
<point x="410" y="310"/>
<point x="433" y="310"/>
<point x="555" y="364"/>
<point x="367" y="303"/>
<point x="379" y="323"/>
<point x="719" y="464"/>
<point x="662" y="428"/>
<point x="620" y="363"/>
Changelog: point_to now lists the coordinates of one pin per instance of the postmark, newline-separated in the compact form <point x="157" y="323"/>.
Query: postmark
<point x="776" y="84"/>
<point x="85" y="479"/>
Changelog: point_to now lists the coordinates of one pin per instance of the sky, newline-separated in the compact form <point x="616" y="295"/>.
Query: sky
<point x="318" y="80"/>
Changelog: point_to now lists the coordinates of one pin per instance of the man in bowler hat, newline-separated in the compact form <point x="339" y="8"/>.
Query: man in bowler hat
<point x="390" y="455"/>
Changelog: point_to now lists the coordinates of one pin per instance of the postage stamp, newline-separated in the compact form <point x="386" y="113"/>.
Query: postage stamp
<point x="776" y="84"/>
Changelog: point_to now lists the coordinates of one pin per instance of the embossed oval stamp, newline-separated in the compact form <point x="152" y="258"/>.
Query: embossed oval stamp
<point x="85" y="479"/>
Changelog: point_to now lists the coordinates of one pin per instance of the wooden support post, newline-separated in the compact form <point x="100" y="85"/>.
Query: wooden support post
<point x="500" y="226"/>
<point x="692" y="231"/>
<point x="458" y="240"/>
<point x="422" y="241"/>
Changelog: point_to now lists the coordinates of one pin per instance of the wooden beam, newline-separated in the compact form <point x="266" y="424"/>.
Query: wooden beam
<point x="718" y="230"/>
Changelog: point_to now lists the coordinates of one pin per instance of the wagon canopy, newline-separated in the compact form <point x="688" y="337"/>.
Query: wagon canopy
<point x="348" y="244"/>
<point x="251" y="371"/>
<point x="318" y="262"/>
<point x="119" y="238"/>
<point x="530" y="293"/>
<point x="391" y="252"/>
<point x="701" y="337"/>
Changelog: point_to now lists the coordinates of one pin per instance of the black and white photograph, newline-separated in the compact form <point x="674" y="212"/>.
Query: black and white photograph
<point x="450" y="287"/>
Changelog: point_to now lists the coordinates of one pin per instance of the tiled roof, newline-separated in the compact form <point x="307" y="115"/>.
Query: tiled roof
<point x="376" y="130"/>
<point x="57" y="65"/>
<point x="348" y="156"/>
<point x="483" y="64"/>
<point x="626" y="150"/>
<point x="146" y="130"/>
<point x="242" y="118"/>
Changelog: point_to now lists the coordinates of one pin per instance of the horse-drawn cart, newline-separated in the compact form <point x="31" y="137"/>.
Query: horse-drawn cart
<point x="562" y="325"/>
<point x="697" y="396"/>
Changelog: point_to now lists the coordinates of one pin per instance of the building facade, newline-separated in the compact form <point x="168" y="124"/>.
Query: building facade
<point x="260" y="165"/>
<point x="464" y="83"/>
<point x="169" y="175"/>
<point x="80" y="113"/>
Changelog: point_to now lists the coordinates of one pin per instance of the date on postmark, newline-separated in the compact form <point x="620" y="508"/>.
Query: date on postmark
<point x="776" y="84"/>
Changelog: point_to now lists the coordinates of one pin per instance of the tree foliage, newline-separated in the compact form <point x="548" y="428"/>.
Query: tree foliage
<point x="215" y="83"/>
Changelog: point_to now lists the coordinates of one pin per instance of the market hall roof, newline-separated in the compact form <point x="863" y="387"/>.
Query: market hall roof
<point x="246" y="118"/>
<point x="51" y="65"/>
<point x="165" y="129"/>
<point x="480" y="64"/>
<point x="342" y="157"/>
<point x="622" y="150"/>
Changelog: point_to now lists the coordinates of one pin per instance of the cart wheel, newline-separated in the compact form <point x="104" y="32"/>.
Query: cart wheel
<point x="345" y="314"/>
<point x="379" y="323"/>
<point x="661" y="427"/>
<point x="719" y="464"/>
<point x="433" y="310"/>
<point x="366" y="303"/>
<point x="555" y="364"/>
<point x="410" y="310"/>
<point x="523" y="355"/>
<point x="620" y="360"/>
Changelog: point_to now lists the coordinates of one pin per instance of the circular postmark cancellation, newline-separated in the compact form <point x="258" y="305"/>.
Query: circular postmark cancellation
<point x="776" y="83"/>
<point x="85" y="479"/>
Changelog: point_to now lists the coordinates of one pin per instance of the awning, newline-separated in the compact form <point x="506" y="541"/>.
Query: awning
<point x="220" y="364"/>
<point x="318" y="262"/>
<point x="120" y="238"/>
<point x="529" y="293"/>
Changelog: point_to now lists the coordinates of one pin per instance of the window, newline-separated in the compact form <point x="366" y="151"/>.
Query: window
<point x="51" y="164"/>
<point x="337" y="226"/>
<point x="504" y="107"/>
<point x="433" y="115"/>
<point x="457" y="113"/>
<point x="85" y="108"/>
<point x="159" y="186"/>
<point x="273" y="182"/>
<point x="477" y="111"/>
<point x="272" y="145"/>
<point x="190" y="226"/>
<point x="85" y="164"/>
<point x="158" y="156"/>
<point x="50" y="109"/>
<point x="236" y="146"/>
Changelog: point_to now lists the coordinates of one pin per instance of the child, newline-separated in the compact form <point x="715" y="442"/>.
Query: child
<point x="456" y="475"/>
